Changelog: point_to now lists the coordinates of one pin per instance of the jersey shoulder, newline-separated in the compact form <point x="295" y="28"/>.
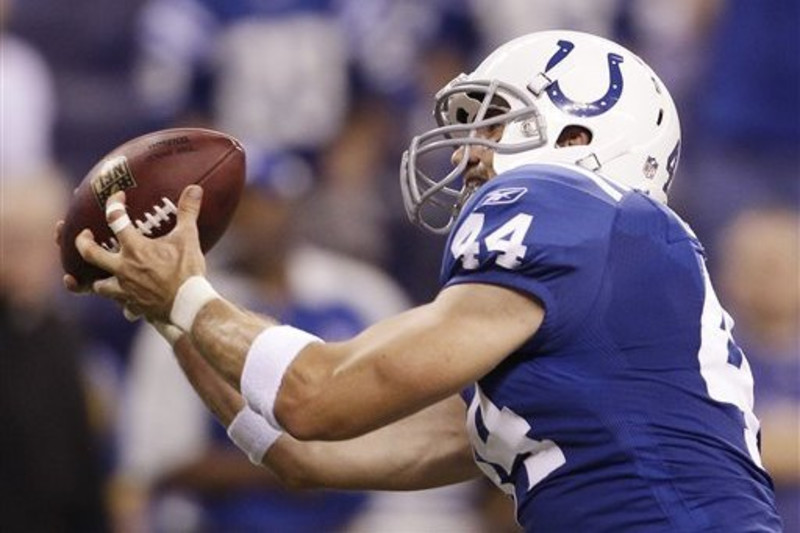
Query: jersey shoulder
<point x="548" y="182"/>
<point x="542" y="230"/>
<point x="542" y="208"/>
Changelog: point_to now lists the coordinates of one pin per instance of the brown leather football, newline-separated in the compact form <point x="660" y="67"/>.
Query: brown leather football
<point x="153" y="170"/>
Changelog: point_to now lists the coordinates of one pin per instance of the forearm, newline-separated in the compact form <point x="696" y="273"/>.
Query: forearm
<point x="344" y="373"/>
<point x="223" y="334"/>
<point x="401" y="365"/>
<point x="428" y="449"/>
<point x="425" y="450"/>
<point x="218" y="395"/>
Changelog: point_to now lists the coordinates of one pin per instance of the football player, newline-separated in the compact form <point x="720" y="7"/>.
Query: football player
<point x="577" y="354"/>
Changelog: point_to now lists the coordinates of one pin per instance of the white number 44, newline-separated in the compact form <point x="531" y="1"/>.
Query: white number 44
<point x="507" y="239"/>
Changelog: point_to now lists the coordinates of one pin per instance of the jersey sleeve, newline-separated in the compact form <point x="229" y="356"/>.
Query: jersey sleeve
<point x="539" y="236"/>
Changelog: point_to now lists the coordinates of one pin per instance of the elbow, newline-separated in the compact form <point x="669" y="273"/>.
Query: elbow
<point x="308" y="408"/>
<point x="304" y="414"/>
<point x="307" y="421"/>
<point x="298" y="424"/>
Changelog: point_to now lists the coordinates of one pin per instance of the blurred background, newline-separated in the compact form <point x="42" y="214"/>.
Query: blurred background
<point x="99" y="430"/>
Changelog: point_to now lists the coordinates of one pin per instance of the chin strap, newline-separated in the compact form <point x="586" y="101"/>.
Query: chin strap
<point x="601" y="155"/>
<point x="589" y="162"/>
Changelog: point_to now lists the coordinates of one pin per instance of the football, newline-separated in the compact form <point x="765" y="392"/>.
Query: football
<point x="153" y="170"/>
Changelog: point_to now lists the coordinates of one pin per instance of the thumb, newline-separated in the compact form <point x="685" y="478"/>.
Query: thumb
<point x="189" y="205"/>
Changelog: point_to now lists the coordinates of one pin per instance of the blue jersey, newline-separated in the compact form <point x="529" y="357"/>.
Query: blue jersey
<point x="630" y="409"/>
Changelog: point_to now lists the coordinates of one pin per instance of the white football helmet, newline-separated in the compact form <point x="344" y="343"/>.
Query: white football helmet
<point x="538" y="85"/>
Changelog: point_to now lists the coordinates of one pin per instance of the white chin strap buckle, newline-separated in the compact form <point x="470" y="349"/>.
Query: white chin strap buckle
<point x="539" y="83"/>
<point x="543" y="80"/>
<point x="590" y="162"/>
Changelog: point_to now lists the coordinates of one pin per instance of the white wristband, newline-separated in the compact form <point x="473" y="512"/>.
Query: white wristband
<point x="267" y="360"/>
<point x="252" y="434"/>
<point x="192" y="295"/>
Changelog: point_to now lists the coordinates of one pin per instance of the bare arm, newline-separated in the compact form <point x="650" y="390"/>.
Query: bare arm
<point x="330" y="391"/>
<point x="426" y="450"/>
<point x="393" y="369"/>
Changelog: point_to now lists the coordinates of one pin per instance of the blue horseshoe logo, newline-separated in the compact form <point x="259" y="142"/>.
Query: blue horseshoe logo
<point x="582" y="109"/>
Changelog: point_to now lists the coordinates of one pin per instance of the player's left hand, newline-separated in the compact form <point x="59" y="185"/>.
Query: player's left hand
<point x="69" y="280"/>
<point x="146" y="273"/>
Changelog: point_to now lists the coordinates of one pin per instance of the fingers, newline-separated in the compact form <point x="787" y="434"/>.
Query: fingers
<point x="94" y="253"/>
<point x="130" y="315"/>
<point x="189" y="206"/>
<point x="58" y="232"/>
<point x="72" y="285"/>
<point x="110" y="288"/>
<point x="68" y="280"/>
<point x="118" y="219"/>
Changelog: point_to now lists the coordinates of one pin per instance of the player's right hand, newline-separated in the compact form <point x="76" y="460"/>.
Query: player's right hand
<point x="147" y="273"/>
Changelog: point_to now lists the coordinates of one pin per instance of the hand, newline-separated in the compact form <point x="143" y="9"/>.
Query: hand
<point x="70" y="283"/>
<point x="147" y="272"/>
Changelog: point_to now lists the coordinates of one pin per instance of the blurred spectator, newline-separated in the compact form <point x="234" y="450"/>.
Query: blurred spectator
<point x="673" y="37"/>
<point x="759" y="266"/>
<point x="502" y="20"/>
<point x="271" y="73"/>
<point x="69" y="117"/>
<point x="401" y="53"/>
<point x="89" y="44"/>
<point x="446" y="509"/>
<point x="668" y="34"/>
<point x="743" y="149"/>
<point x="389" y="42"/>
<point x="27" y="106"/>
<point x="350" y="215"/>
<point x="170" y="444"/>
<point x="49" y="458"/>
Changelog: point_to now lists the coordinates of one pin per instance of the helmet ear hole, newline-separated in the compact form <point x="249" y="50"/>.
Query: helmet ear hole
<point x="574" y="135"/>
<point x="660" y="117"/>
